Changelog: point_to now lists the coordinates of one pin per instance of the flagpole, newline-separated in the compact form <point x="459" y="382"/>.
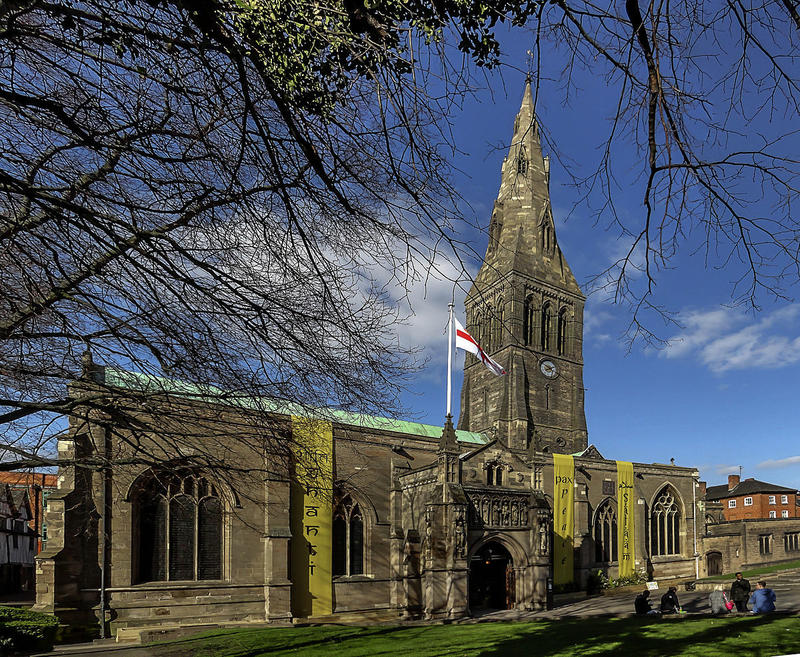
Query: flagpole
<point x="449" y="358"/>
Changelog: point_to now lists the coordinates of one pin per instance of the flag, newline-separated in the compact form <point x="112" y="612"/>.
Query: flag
<point x="466" y="342"/>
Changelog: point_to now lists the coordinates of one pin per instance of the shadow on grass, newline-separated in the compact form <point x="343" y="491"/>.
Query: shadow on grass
<point x="262" y="642"/>
<point x="650" y="637"/>
<point x="597" y="636"/>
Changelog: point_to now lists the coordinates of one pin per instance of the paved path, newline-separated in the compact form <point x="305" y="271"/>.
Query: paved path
<point x="786" y="586"/>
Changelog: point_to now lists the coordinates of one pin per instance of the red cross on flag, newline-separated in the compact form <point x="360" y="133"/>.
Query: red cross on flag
<point x="466" y="342"/>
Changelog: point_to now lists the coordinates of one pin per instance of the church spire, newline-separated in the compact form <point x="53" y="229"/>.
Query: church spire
<point x="526" y="309"/>
<point x="522" y="231"/>
<point x="525" y="172"/>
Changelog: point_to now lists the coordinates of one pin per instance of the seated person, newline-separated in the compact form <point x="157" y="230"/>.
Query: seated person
<point x="718" y="600"/>
<point x="642" y="604"/>
<point x="763" y="599"/>
<point x="669" y="601"/>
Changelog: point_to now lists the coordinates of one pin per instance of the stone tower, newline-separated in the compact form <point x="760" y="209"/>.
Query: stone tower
<point x="526" y="310"/>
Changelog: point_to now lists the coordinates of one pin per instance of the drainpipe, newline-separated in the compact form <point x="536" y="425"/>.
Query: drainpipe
<point x="695" y="479"/>
<point x="103" y="562"/>
<point x="103" y="514"/>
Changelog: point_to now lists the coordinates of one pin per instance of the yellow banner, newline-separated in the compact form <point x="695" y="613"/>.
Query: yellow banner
<point x="311" y="518"/>
<point x="625" y="540"/>
<point x="563" y="508"/>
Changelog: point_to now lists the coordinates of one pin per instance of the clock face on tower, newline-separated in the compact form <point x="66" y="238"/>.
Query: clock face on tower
<point x="549" y="369"/>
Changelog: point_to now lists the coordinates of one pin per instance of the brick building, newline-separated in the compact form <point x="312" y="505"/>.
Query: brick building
<point x="398" y="518"/>
<point x="751" y="499"/>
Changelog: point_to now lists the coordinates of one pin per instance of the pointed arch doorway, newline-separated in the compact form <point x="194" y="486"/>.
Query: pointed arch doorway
<point x="491" y="578"/>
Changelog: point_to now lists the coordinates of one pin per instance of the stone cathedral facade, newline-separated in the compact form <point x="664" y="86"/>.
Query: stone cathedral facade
<point x="418" y="521"/>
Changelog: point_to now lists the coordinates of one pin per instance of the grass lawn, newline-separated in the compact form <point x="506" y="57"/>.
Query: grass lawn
<point x="697" y="636"/>
<point x="747" y="574"/>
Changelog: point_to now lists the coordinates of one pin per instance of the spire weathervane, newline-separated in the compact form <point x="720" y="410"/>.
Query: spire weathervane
<point x="529" y="74"/>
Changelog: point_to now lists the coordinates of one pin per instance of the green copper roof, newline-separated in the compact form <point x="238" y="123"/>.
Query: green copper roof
<point x="150" y="383"/>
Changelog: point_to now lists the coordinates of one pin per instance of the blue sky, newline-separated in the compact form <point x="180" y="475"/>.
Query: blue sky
<point x="721" y="393"/>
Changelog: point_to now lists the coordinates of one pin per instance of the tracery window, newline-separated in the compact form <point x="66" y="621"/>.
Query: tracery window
<point x="545" y="328"/>
<point x="562" y="332"/>
<point x="348" y="538"/>
<point x="605" y="533"/>
<point x="179" y="528"/>
<point x="665" y="524"/>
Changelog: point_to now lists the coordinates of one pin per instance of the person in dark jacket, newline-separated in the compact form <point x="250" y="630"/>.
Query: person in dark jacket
<point x="763" y="599"/>
<point x="669" y="601"/>
<point x="740" y="592"/>
<point x="642" y="604"/>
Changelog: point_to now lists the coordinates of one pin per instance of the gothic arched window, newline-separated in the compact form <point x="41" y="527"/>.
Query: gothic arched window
<point x="477" y="330"/>
<point x="495" y="228"/>
<point x="665" y="524"/>
<point x="348" y="538"/>
<point x="179" y="528"/>
<point x="605" y="533"/>
<point x="494" y="475"/>
<point x="545" y="326"/>
<point x="488" y="330"/>
<point x="547" y="237"/>
<point x="497" y="327"/>
<point x="529" y="322"/>
<point x="562" y="332"/>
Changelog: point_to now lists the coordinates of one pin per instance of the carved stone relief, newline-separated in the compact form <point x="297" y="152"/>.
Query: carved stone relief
<point x="489" y="508"/>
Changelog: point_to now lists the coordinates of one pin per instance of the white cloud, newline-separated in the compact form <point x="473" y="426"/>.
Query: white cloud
<point x="779" y="463"/>
<point x="726" y="339"/>
<point x="597" y="316"/>
<point x="719" y="469"/>
<point x="593" y="318"/>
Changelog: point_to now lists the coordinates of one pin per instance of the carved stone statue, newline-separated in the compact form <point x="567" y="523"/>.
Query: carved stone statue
<point x="544" y="537"/>
<point x="460" y="535"/>
<point x="428" y="535"/>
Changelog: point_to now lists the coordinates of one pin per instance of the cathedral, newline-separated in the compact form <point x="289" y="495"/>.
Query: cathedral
<point x="381" y="518"/>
